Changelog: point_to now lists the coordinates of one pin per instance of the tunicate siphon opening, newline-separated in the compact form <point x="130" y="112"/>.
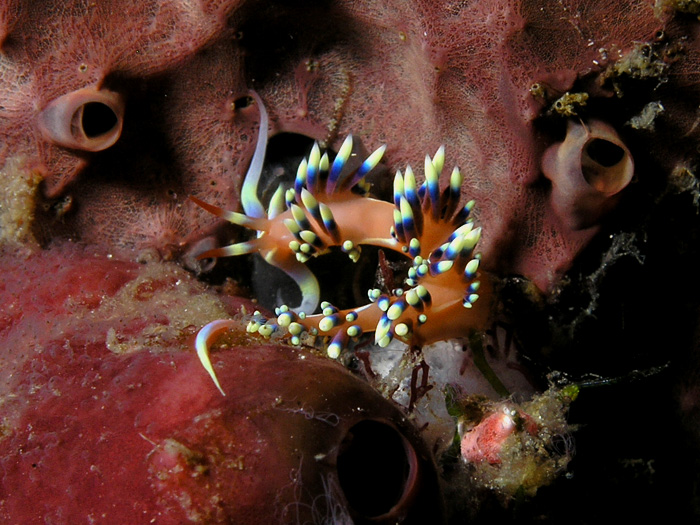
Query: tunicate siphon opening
<point x="604" y="152"/>
<point x="98" y="119"/>
<point x="606" y="166"/>
<point x="242" y="102"/>
<point x="88" y="119"/>
<point x="376" y="468"/>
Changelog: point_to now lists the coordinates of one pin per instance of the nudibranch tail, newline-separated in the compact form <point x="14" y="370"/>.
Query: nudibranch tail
<point x="326" y="207"/>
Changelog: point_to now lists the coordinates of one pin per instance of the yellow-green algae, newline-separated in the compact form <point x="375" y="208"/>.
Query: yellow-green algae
<point x="18" y="191"/>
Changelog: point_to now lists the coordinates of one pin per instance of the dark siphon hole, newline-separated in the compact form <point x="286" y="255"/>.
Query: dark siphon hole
<point x="242" y="102"/>
<point x="605" y="152"/>
<point x="373" y="468"/>
<point x="98" y="119"/>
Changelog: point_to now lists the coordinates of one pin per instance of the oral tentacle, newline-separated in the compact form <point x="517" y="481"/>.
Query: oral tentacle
<point x="249" y="191"/>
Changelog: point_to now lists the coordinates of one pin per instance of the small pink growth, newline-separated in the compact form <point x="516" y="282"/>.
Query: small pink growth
<point x="485" y="441"/>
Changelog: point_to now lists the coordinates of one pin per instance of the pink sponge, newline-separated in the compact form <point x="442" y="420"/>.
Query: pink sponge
<point x="108" y="415"/>
<point x="412" y="76"/>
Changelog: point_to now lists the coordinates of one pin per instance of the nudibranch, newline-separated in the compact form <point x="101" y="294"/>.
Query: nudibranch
<point x="328" y="206"/>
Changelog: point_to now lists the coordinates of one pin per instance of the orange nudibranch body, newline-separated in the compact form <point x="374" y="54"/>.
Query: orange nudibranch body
<point x="446" y="318"/>
<point x="362" y="220"/>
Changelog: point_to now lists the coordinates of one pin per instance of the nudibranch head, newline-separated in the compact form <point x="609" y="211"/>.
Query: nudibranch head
<point x="328" y="207"/>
